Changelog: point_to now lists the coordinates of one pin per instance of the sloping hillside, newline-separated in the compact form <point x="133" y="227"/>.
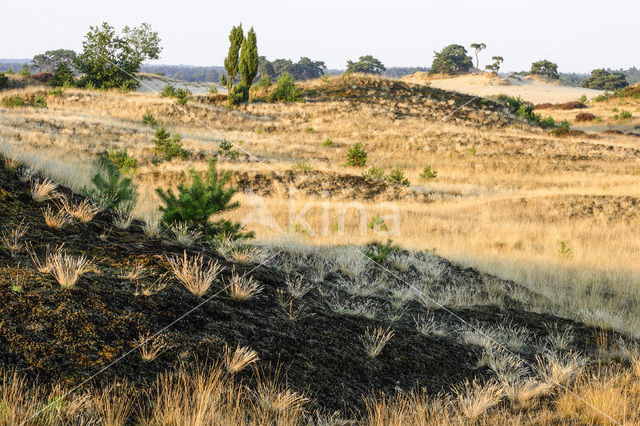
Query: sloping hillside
<point x="315" y="337"/>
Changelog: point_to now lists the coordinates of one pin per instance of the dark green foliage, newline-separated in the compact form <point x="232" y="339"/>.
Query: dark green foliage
<point x="428" y="174"/>
<point x="63" y="76"/>
<point x="13" y="101"/>
<point x="123" y="161"/>
<point x="285" y="90"/>
<point x="605" y="80"/>
<point x="264" y="83"/>
<point x="4" y="81"/>
<point x="239" y="94"/>
<point x="304" y="69"/>
<point x="168" y="147"/>
<point x="49" y="60"/>
<point x="39" y="102"/>
<point x="249" y="59"/>
<point x="495" y="66"/>
<point x="379" y="252"/>
<point x="451" y="60"/>
<point x="168" y="91"/>
<point x="226" y="149"/>
<point x="524" y="110"/>
<point x="327" y="142"/>
<point x="545" y="68"/>
<point x="109" y="60"/>
<point x="396" y="176"/>
<point x="478" y="47"/>
<point x="149" y="119"/>
<point x="231" y="65"/>
<point x="356" y="156"/>
<point x="110" y="188"/>
<point x="374" y="173"/>
<point x="366" y="64"/>
<point x="182" y="96"/>
<point x="196" y="203"/>
<point x="25" y="71"/>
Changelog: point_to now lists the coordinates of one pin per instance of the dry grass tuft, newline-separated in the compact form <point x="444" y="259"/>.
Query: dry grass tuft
<point x="196" y="275"/>
<point x="559" y="370"/>
<point x="55" y="220"/>
<point x="43" y="191"/>
<point x="375" y="340"/>
<point x="151" y="347"/>
<point x="122" y="218"/>
<point x="474" y="399"/>
<point x="183" y="235"/>
<point x="11" y="237"/>
<point x="83" y="211"/>
<point x="65" y="268"/>
<point x="242" y="287"/>
<point x="238" y="359"/>
<point x="297" y="287"/>
<point x="135" y="273"/>
<point x="524" y="394"/>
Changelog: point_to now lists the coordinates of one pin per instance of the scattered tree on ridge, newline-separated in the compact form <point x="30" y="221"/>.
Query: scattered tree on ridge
<point x="231" y="65"/>
<point x="495" y="66"/>
<point x="109" y="60"/>
<point x="451" y="60"/>
<point x="366" y="64"/>
<point x="478" y="47"/>
<point x="606" y="80"/>
<point x="304" y="69"/>
<point x="545" y="68"/>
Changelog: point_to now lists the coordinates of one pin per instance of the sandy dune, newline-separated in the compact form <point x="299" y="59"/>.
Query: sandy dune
<point x="484" y="85"/>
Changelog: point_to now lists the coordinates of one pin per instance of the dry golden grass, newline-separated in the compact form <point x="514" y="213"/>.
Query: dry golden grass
<point x="238" y="359"/>
<point x="196" y="275"/>
<point x="503" y="201"/>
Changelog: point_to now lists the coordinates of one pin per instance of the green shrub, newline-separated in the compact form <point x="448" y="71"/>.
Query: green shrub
<point x="39" y="102"/>
<point x="327" y="142"/>
<point x="379" y="252"/>
<point x="213" y="90"/>
<point x="374" y="173"/>
<point x="168" y="91"/>
<point x="548" y="123"/>
<point x="149" y="119"/>
<point x="625" y="115"/>
<point x="168" y="147"/>
<point x="285" y="90"/>
<point x="239" y="94"/>
<point x="24" y="72"/>
<point x="264" y="83"/>
<point x="194" y="205"/>
<point x="428" y="174"/>
<point x="396" y="176"/>
<point x="310" y="130"/>
<point x="56" y="92"/>
<point x="356" y="156"/>
<point x="4" y="81"/>
<point x="13" y="101"/>
<point x="123" y="161"/>
<point x="226" y="149"/>
<point x="63" y="76"/>
<point x="377" y="223"/>
<point x="110" y="188"/>
<point x="602" y="98"/>
<point x="182" y="96"/>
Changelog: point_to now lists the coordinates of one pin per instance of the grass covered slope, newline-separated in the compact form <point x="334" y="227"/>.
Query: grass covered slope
<point x="66" y="335"/>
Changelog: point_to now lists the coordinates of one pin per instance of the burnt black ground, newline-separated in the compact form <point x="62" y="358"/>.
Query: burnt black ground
<point x="66" y="335"/>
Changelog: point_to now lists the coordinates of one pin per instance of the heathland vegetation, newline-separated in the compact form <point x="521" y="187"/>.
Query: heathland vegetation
<point x="313" y="249"/>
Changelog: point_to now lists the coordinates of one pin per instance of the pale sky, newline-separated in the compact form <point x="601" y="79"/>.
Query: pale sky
<point x="577" y="34"/>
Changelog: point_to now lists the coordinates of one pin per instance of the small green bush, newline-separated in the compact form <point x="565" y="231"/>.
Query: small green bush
<point x="239" y="94"/>
<point x="374" y="173"/>
<point x="110" y="188"/>
<point x="13" y="101"/>
<point x="302" y="166"/>
<point x="149" y="119"/>
<point x="226" y="149"/>
<point x="168" y="147"/>
<point x="195" y="204"/>
<point x="327" y="142"/>
<point x="285" y="90"/>
<point x="396" y="176"/>
<point x="213" y="90"/>
<point x="56" y="92"/>
<point x="625" y="115"/>
<point x="264" y="83"/>
<point x="39" y="102"/>
<point x="182" y="96"/>
<point x="168" y="91"/>
<point x="123" y="161"/>
<point x="428" y="174"/>
<point x="24" y="72"/>
<point x="63" y="76"/>
<point x="380" y="252"/>
<point x="356" y="156"/>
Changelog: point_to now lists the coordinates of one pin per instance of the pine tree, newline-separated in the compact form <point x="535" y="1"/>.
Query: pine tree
<point x="62" y="76"/>
<point x="249" y="58"/>
<point x="110" y="188"/>
<point x="236" y="38"/>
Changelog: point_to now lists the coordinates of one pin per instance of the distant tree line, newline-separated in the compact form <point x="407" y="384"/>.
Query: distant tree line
<point x="304" y="69"/>
<point x="186" y="72"/>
